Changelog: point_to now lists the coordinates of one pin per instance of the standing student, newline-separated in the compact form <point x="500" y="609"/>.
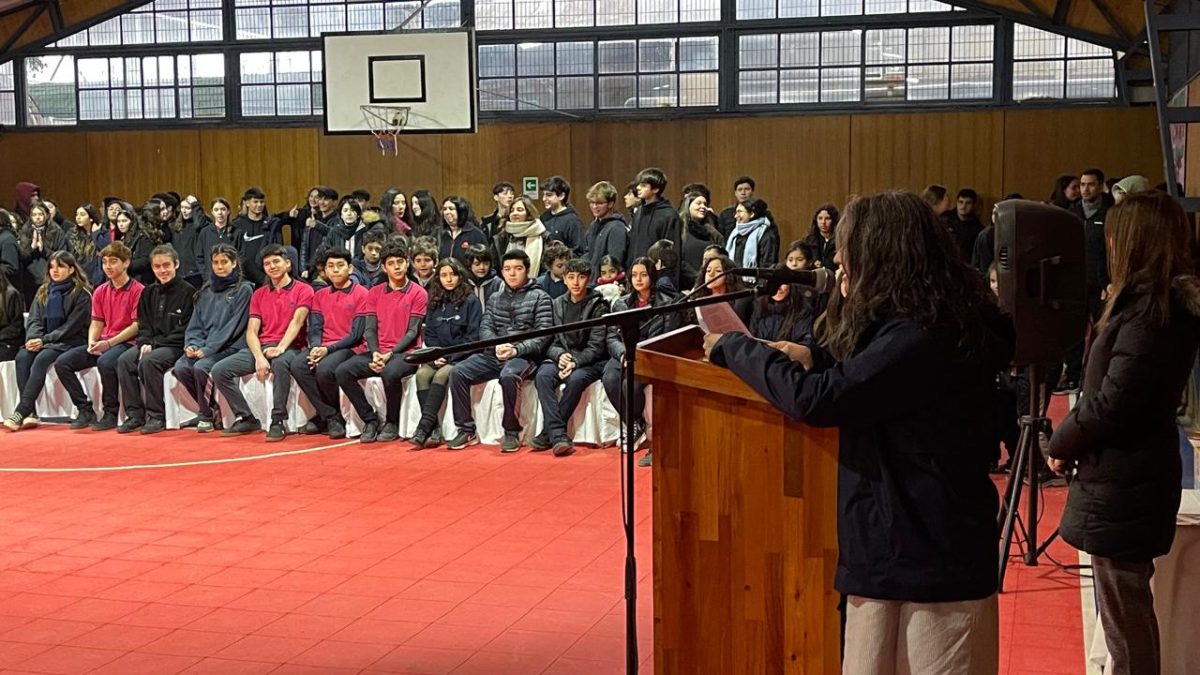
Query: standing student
<point x="555" y="258"/>
<point x="395" y="312"/>
<point x="454" y="316"/>
<point x="222" y="231"/>
<point x="336" y="327"/>
<point x="519" y="306"/>
<point x="216" y="330"/>
<point x="81" y="242"/>
<point x="10" y="250"/>
<point x="642" y="277"/>
<point x="916" y="521"/>
<point x="39" y="239"/>
<point x="964" y="222"/>
<point x="743" y="189"/>
<point x="503" y="194"/>
<point x="12" y="320"/>
<point x="754" y="241"/>
<point x="192" y="221"/>
<point x="347" y="230"/>
<point x="560" y="219"/>
<point x="427" y="220"/>
<point x="574" y="360"/>
<point x="112" y="331"/>
<point x="822" y="237"/>
<point x="608" y="235"/>
<point x="521" y="230"/>
<point x="163" y="313"/>
<point x="393" y="204"/>
<point x="656" y="219"/>
<point x="699" y="231"/>
<point x="275" y="336"/>
<point x="57" y="321"/>
<point x="131" y="231"/>
<point x="258" y="229"/>
<point x="1122" y="439"/>
<point x="1092" y="209"/>
<point x="460" y="230"/>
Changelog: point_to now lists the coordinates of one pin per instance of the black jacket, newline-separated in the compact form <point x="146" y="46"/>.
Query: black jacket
<point x="140" y="245"/>
<point x="767" y="253"/>
<point x="253" y="237"/>
<point x="1123" y="434"/>
<point x="517" y="310"/>
<point x="653" y="222"/>
<point x="566" y="227"/>
<point x="448" y="324"/>
<point x="691" y="254"/>
<point x="606" y="237"/>
<point x="77" y="305"/>
<point x="164" y="312"/>
<point x="916" y="510"/>
<point x="193" y="260"/>
<point x="767" y="323"/>
<point x="34" y="263"/>
<point x="965" y="232"/>
<point x="648" y="328"/>
<point x="10" y="255"/>
<point x="1095" y="246"/>
<point x="456" y="247"/>
<point x="12" y="333"/>
<point x="588" y="346"/>
<point x="984" y="251"/>
<point x="823" y="249"/>
<point x="727" y="220"/>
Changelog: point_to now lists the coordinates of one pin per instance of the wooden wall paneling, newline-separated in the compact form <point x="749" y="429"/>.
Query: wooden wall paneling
<point x="911" y="151"/>
<point x="349" y="162"/>
<point x="134" y="165"/>
<point x="58" y="162"/>
<point x="282" y="162"/>
<point x="1042" y="144"/>
<point x="797" y="163"/>
<point x="472" y="163"/>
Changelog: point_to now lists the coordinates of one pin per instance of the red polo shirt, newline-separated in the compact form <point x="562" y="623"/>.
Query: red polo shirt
<point x="116" y="307"/>
<point x="338" y="309"/>
<point x="392" y="309"/>
<point x="275" y="307"/>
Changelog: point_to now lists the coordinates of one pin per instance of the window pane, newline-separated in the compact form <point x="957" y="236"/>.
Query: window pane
<point x="887" y="83"/>
<point x="699" y="53"/>
<point x="657" y="91"/>
<point x="755" y="9"/>
<point x="493" y="14"/>
<point x="535" y="93"/>
<point x="50" y="96"/>
<point x="699" y="10"/>
<point x="658" y="11"/>
<point x="840" y="84"/>
<point x="531" y="14"/>
<point x="886" y="6"/>
<point x="497" y="61"/>
<point x="573" y="13"/>
<point x="928" y="83"/>
<point x="535" y="58"/>
<point x="790" y="9"/>
<point x="1037" y="79"/>
<point x="575" y="93"/>
<point x="258" y="101"/>
<point x="886" y="46"/>
<point x="257" y="67"/>
<point x="290" y="22"/>
<point x="800" y="49"/>
<point x="294" y="99"/>
<point x="1090" y="78"/>
<point x="365" y="17"/>
<point x="172" y="27"/>
<point x="758" y="87"/>
<point x="206" y="26"/>
<point x="799" y="86"/>
<point x="93" y="104"/>
<point x="841" y="7"/>
<point x="618" y="57"/>
<point x="326" y="19"/>
<point x="497" y="94"/>
<point x="758" y="51"/>
<point x="698" y="89"/>
<point x="970" y="81"/>
<point x="253" y="24"/>
<point x="575" y="58"/>
<point x="1081" y="48"/>
<point x="137" y="28"/>
<point x="618" y="91"/>
<point x="656" y="55"/>
<point x="93" y="73"/>
<point x="107" y="33"/>
<point x="208" y="102"/>
<point x="841" y="48"/>
<point x="616" y="12"/>
<point x="929" y="45"/>
<point x="1031" y="43"/>
<point x="972" y="43"/>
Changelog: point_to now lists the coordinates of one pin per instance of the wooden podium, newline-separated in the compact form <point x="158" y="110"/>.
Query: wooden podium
<point x="744" y="524"/>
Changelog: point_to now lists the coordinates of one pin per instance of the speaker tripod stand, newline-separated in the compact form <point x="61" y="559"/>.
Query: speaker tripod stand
<point x="1026" y="464"/>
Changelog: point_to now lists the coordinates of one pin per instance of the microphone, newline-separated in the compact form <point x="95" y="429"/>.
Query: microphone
<point x="820" y="280"/>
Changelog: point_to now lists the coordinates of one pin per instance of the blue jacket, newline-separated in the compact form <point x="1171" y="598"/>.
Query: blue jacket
<point x="450" y="324"/>
<point x="219" y="321"/>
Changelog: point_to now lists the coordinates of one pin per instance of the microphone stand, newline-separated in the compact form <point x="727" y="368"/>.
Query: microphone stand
<point x="628" y="322"/>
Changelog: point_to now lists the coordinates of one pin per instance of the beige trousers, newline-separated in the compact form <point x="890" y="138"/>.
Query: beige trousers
<point x="885" y="637"/>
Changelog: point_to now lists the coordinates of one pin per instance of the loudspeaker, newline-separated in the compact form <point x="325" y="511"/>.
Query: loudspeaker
<point x="1041" y="273"/>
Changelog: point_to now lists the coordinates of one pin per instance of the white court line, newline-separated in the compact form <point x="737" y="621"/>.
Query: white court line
<point x="198" y="462"/>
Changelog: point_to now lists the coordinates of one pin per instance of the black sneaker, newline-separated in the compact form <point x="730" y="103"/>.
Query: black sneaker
<point x="540" y="442"/>
<point x="511" y="442"/>
<point x="276" y="433"/>
<point x="639" y="433"/>
<point x="335" y="429"/>
<point x="153" y="426"/>
<point x="312" y="428"/>
<point x="388" y="433"/>
<point x="130" y="425"/>
<point x="370" y="433"/>
<point x="243" y="426"/>
<point x="563" y="447"/>
<point x="84" y="418"/>
<point x="419" y="439"/>
<point x="435" y="438"/>
<point x="105" y="423"/>
<point x="647" y="460"/>
<point x="462" y="440"/>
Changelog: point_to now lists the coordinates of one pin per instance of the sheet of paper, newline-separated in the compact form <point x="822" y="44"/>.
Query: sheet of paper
<point x="720" y="318"/>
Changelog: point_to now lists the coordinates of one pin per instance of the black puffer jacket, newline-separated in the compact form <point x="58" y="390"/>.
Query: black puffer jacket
<point x="1095" y="246"/>
<point x="1123" y="434"/>
<point x="517" y="310"/>
<point x="607" y="236"/>
<point x="653" y="222"/>
<point x="587" y="346"/>
<point x="916" y="510"/>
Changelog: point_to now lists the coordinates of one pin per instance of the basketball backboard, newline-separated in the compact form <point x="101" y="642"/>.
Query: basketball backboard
<point x="432" y="73"/>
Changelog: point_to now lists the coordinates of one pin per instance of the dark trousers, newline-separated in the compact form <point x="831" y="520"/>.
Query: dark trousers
<point x="196" y="376"/>
<point x="615" y="388"/>
<point x="1075" y="355"/>
<point x="556" y="410"/>
<point x="359" y="367"/>
<point x="481" y="368"/>
<point x="31" y="376"/>
<point x="231" y="369"/>
<point x="432" y="385"/>
<point x="319" y="384"/>
<point x="8" y="352"/>
<point x="141" y="378"/>
<point x="76" y="359"/>
<point x="1127" y="614"/>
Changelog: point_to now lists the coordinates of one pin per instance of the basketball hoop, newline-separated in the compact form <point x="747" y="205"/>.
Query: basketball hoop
<point x="386" y="122"/>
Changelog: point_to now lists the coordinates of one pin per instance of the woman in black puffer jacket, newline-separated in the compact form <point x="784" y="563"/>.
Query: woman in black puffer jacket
<point x="1122" y="439"/>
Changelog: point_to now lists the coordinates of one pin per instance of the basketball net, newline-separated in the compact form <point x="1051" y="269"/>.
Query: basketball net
<point x="386" y="122"/>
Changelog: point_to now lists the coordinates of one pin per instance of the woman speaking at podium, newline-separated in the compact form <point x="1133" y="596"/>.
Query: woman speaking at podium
<point x="913" y="359"/>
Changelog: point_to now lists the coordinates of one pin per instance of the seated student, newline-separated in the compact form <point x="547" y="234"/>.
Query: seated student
<point x="453" y="319"/>
<point x="611" y="283"/>
<point x="368" y="269"/>
<point x="216" y="330"/>
<point x="112" y="331"/>
<point x="576" y="359"/>
<point x="554" y="261"/>
<point x="799" y="256"/>
<point x="483" y="279"/>
<point x="57" y="321"/>
<point x="716" y="284"/>
<point x="394" y="314"/>
<point x="275" y="337"/>
<point x="666" y="260"/>
<point x="424" y="258"/>
<point x="785" y="316"/>
<point x="12" y="319"/>
<point x="337" y="325"/>
<point x="642" y="278"/>
<point x="520" y="305"/>
<point x="163" y="312"/>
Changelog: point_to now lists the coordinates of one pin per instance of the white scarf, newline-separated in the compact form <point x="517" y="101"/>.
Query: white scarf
<point x="527" y="237"/>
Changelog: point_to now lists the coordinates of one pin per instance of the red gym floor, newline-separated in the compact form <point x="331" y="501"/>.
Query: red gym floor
<point x="354" y="559"/>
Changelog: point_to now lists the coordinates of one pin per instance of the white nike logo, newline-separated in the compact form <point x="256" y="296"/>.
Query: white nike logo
<point x="249" y="238"/>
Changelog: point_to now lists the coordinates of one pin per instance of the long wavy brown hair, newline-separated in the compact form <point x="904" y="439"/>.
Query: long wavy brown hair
<point x="1151" y="244"/>
<point x="902" y="263"/>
